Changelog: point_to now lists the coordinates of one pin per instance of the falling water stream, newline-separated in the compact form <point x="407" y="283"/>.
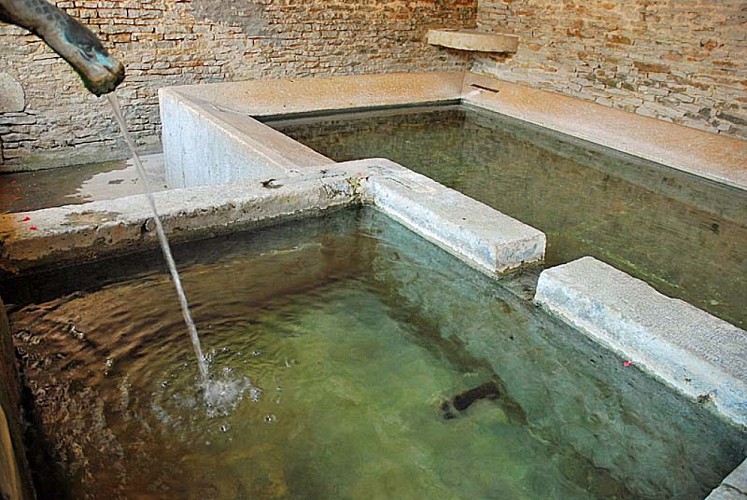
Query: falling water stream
<point x="221" y="394"/>
<point x="191" y="328"/>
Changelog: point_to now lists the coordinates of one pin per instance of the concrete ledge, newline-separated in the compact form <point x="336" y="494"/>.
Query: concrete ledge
<point x="473" y="40"/>
<point x="93" y="230"/>
<point x="475" y="233"/>
<point x="699" y="355"/>
<point x="726" y="493"/>
<point x="305" y="95"/>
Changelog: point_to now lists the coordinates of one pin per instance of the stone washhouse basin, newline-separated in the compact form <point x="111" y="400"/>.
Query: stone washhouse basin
<point x="232" y="172"/>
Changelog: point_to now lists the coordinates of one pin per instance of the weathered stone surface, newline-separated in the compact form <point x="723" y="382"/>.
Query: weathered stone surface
<point x="12" y="98"/>
<point x="699" y="355"/>
<point x="92" y="230"/>
<point x="479" y="235"/>
<point x="738" y="479"/>
<point x="726" y="493"/>
<point x="207" y="147"/>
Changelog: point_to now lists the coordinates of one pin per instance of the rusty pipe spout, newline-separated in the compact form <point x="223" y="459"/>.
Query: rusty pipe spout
<point x="75" y="43"/>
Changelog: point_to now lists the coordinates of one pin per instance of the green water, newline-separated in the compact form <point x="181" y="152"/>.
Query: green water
<point x="349" y="333"/>
<point x="685" y="236"/>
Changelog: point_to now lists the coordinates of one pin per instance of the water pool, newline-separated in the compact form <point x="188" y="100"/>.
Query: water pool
<point x="683" y="235"/>
<point x="353" y="333"/>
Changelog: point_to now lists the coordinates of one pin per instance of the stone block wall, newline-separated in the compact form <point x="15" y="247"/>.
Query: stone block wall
<point x="48" y="119"/>
<point x="683" y="61"/>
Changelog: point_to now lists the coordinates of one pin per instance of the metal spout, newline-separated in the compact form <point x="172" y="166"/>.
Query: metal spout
<point x="75" y="43"/>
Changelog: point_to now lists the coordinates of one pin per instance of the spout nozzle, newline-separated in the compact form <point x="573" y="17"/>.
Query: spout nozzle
<point x="104" y="80"/>
<point x="77" y="44"/>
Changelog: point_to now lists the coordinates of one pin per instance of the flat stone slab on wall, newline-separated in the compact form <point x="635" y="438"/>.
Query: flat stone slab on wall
<point x="698" y="354"/>
<point x="473" y="40"/>
<point x="12" y="97"/>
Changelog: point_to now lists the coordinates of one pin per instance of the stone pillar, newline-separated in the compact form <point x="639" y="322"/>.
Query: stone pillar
<point x="15" y="476"/>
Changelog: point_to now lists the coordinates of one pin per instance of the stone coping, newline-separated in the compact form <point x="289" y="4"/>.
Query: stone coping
<point x="699" y="355"/>
<point x="258" y="98"/>
<point x="477" y="234"/>
<point x="232" y="106"/>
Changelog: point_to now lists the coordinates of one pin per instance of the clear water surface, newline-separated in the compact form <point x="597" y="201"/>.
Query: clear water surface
<point x="350" y="333"/>
<point x="685" y="236"/>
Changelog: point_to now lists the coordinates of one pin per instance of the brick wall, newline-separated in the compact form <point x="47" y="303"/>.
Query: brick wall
<point x="48" y="119"/>
<point x="683" y="61"/>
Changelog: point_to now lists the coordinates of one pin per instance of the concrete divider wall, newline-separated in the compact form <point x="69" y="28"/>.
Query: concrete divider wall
<point x="203" y="149"/>
<point x="211" y="137"/>
<point x="697" y="354"/>
<point x="474" y="232"/>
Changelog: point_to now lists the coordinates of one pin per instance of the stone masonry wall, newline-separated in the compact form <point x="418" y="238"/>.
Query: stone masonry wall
<point x="48" y="119"/>
<point x="683" y="61"/>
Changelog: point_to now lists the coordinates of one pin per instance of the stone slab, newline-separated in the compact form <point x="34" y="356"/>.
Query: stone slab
<point x="93" y="230"/>
<point x="698" y="354"/>
<point x="473" y="40"/>
<point x="726" y="493"/>
<point x="304" y="95"/>
<point x="737" y="480"/>
<point x="481" y="236"/>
